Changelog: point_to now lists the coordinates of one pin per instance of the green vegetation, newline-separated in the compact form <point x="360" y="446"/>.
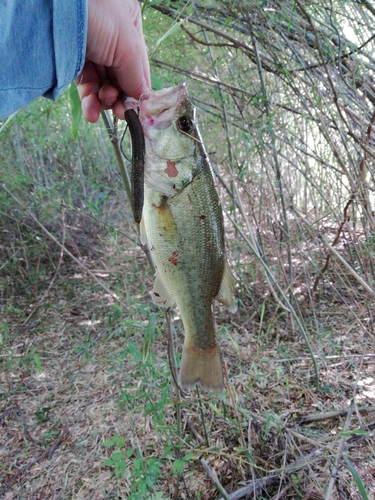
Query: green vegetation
<point x="89" y="409"/>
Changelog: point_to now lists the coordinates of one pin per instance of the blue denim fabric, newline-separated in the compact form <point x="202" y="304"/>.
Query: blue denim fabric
<point x="42" y="49"/>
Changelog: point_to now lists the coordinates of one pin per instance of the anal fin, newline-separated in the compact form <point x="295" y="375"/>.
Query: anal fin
<point x="226" y="291"/>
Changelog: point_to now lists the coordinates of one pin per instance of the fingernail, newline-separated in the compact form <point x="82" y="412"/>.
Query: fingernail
<point x="145" y="92"/>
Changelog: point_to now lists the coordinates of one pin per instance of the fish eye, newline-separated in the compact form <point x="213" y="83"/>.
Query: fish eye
<point x="184" y="124"/>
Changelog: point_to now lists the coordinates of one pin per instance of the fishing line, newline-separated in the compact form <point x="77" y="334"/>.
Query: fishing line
<point x="121" y="141"/>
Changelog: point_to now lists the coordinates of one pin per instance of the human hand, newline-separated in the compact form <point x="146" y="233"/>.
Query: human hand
<point x="116" y="58"/>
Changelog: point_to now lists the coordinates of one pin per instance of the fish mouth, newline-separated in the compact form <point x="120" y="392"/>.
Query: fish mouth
<point x="158" y="111"/>
<point x="161" y="108"/>
<point x="159" y="101"/>
<point x="162" y="100"/>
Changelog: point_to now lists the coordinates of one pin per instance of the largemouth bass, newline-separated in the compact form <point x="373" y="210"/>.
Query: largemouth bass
<point x="183" y="224"/>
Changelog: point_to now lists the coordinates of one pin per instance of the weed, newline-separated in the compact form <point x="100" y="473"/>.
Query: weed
<point x="180" y="463"/>
<point x="357" y="479"/>
<point x="145" y="472"/>
<point x="144" y="476"/>
<point x="42" y="415"/>
<point x="38" y="363"/>
<point x="117" y="459"/>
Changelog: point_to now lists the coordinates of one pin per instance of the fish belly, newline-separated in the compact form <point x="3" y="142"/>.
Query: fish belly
<point x="186" y="238"/>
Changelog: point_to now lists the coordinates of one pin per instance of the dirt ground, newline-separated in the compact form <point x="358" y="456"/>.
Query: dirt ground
<point x="89" y="409"/>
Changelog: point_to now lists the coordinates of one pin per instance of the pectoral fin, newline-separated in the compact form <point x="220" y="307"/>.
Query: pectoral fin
<point x="225" y="295"/>
<point x="160" y="295"/>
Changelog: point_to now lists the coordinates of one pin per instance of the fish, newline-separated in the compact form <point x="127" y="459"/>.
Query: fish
<point x="182" y="222"/>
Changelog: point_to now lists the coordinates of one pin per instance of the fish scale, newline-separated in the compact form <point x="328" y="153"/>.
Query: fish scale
<point x="178" y="226"/>
<point x="183" y="224"/>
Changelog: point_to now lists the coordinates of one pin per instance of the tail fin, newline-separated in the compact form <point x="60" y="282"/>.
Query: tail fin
<point x="201" y="367"/>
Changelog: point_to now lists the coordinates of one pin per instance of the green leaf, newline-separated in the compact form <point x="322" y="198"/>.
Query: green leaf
<point x="356" y="432"/>
<point x="175" y="26"/>
<point x="271" y="418"/>
<point x="178" y="466"/>
<point x="75" y="108"/>
<point x="38" y="362"/>
<point x="122" y="468"/>
<point x="117" y="456"/>
<point x="7" y="121"/>
<point x="357" y="479"/>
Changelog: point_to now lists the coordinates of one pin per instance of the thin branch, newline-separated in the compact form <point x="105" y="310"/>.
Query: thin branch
<point x="212" y="475"/>
<point x="55" y="240"/>
<point x="315" y="417"/>
<point x="7" y="485"/>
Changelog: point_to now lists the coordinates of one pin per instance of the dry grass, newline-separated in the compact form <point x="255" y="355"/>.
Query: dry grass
<point x="76" y="371"/>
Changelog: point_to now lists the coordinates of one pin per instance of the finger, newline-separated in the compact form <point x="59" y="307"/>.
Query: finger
<point x="119" y="109"/>
<point x="88" y="85"/>
<point x="131" y="65"/>
<point x="89" y="80"/>
<point x="91" y="107"/>
<point x="108" y="95"/>
<point x="115" y="41"/>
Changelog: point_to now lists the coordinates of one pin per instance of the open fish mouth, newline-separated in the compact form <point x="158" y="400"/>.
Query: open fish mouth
<point x="160" y="109"/>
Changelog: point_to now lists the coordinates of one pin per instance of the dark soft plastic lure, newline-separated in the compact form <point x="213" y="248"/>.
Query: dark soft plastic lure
<point x="138" y="163"/>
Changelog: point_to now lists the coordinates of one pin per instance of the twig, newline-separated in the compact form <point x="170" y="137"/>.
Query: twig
<point x="42" y="456"/>
<point x="333" y="414"/>
<point x="347" y="357"/>
<point x="252" y="244"/>
<point x="336" y="240"/>
<point x="55" y="240"/>
<point x="339" y="453"/>
<point x="6" y="413"/>
<point x="207" y="44"/>
<point x="41" y="300"/>
<point x="191" y="426"/>
<point x="194" y="75"/>
<point x="266" y="61"/>
<point x="202" y="416"/>
<point x="28" y="436"/>
<point x="212" y="475"/>
<point x="254" y="486"/>
<point x="282" y="492"/>
<point x="177" y="390"/>
<point x="261" y="484"/>
<point x="355" y="275"/>
<point x="234" y="404"/>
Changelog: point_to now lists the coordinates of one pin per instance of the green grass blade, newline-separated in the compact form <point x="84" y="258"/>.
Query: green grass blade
<point x="75" y="108"/>
<point x="357" y="479"/>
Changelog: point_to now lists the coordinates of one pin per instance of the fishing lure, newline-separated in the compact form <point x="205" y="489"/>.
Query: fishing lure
<point x="138" y="163"/>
